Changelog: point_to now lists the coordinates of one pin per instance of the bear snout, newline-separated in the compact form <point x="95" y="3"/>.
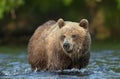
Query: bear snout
<point x="67" y="47"/>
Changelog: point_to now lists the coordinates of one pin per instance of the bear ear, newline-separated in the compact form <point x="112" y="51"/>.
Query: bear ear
<point x="84" y="23"/>
<point x="60" y="22"/>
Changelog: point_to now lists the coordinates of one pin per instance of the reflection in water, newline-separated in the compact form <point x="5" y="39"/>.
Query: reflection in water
<point x="103" y="65"/>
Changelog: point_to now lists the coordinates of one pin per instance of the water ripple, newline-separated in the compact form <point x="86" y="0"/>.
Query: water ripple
<point x="103" y="65"/>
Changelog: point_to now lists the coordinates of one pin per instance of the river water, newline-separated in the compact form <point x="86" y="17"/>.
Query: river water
<point x="104" y="64"/>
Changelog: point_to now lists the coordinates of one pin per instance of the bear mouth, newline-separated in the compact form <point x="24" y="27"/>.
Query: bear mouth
<point x="69" y="51"/>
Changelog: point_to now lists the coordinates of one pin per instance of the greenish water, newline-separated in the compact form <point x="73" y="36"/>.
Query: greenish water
<point x="104" y="64"/>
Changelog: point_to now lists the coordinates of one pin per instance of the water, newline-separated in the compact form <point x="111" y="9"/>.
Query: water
<point x="103" y="64"/>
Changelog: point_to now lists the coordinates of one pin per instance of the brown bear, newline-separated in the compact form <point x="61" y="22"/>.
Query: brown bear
<point x="60" y="45"/>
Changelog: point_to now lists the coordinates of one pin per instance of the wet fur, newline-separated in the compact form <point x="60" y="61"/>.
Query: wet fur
<point x="46" y="53"/>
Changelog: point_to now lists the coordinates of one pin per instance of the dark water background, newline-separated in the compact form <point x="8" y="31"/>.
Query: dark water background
<point x="104" y="64"/>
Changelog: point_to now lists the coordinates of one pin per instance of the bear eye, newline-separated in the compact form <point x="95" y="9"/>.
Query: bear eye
<point x="63" y="36"/>
<point x="74" y="36"/>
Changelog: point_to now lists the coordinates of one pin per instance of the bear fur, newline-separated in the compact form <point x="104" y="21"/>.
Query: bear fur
<point x="60" y="45"/>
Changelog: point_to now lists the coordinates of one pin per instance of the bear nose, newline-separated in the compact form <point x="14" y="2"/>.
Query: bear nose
<point x="66" y="45"/>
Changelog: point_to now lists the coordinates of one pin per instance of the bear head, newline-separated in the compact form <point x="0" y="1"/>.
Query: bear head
<point x="72" y="35"/>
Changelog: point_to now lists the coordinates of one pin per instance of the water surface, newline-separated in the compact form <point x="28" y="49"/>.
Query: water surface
<point x="104" y="64"/>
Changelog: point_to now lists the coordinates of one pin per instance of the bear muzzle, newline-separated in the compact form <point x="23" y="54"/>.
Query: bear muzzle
<point x="68" y="47"/>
